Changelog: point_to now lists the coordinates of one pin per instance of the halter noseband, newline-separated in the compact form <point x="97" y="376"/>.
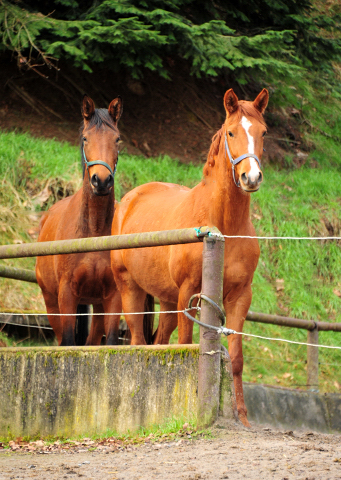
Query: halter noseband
<point x="99" y="162"/>
<point x="238" y="160"/>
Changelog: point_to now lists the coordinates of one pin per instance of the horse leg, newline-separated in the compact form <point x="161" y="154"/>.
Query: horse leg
<point x="235" y="316"/>
<point x="52" y="309"/>
<point x="133" y="300"/>
<point x="185" y="325"/>
<point x="97" y="326"/>
<point x="67" y="305"/>
<point x="167" y="324"/>
<point x="112" y="322"/>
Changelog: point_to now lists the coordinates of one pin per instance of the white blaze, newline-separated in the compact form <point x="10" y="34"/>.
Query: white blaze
<point x="254" y="172"/>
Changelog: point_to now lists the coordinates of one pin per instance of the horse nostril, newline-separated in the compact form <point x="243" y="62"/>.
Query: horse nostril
<point x="94" y="180"/>
<point x="244" y="178"/>
<point x="260" y="177"/>
<point x="110" y="181"/>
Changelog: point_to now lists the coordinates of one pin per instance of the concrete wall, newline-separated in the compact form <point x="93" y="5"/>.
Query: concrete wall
<point x="70" y="391"/>
<point x="293" y="409"/>
<point x="64" y="391"/>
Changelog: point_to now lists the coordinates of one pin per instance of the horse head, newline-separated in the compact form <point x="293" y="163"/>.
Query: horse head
<point x="244" y="131"/>
<point x="99" y="144"/>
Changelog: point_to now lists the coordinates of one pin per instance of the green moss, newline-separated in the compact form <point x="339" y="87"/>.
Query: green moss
<point x="48" y="406"/>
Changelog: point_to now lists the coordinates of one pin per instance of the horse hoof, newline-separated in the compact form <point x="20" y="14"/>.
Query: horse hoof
<point x="244" y="420"/>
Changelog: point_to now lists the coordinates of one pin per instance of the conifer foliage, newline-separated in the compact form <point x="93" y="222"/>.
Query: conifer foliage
<point x="244" y="36"/>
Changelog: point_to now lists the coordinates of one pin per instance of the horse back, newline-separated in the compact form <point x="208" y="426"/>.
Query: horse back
<point x="133" y="213"/>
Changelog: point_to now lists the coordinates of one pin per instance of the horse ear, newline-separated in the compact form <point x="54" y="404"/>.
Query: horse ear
<point x="88" y="108"/>
<point x="230" y="102"/>
<point x="261" y="102"/>
<point x="115" y="109"/>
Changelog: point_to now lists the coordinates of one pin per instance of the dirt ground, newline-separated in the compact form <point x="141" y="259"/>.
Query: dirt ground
<point x="230" y="453"/>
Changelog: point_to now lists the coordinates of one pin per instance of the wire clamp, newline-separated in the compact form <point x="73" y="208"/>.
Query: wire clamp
<point x="226" y="331"/>
<point x="201" y="234"/>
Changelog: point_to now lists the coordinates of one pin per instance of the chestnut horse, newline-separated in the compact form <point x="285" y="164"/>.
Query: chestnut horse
<point x="221" y="199"/>
<point x="70" y="280"/>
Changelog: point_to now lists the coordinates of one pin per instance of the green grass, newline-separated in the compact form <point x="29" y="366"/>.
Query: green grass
<point x="39" y="341"/>
<point x="172" y="429"/>
<point x="136" y="170"/>
<point x="25" y="158"/>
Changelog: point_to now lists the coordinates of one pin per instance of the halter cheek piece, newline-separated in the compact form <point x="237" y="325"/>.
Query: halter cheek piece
<point x="238" y="160"/>
<point x="99" y="162"/>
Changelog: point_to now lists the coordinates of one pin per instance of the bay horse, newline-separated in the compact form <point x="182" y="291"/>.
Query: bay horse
<point x="222" y="199"/>
<point x="70" y="280"/>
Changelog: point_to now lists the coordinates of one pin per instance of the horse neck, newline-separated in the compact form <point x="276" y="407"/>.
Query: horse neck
<point x="96" y="212"/>
<point x="227" y="205"/>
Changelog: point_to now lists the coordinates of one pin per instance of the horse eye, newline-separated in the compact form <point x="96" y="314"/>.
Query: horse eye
<point x="118" y="139"/>
<point x="231" y="134"/>
<point x="264" y="133"/>
<point x="84" y="139"/>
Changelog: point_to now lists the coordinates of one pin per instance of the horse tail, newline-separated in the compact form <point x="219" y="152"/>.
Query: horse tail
<point x="82" y="324"/>
<point x="154" y="335"/>
<point x="148" y="319"/>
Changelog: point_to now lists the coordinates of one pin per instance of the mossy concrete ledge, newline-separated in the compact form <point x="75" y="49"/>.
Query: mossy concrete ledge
<point x="73" y="390"/>
<point x="65" y="391"/>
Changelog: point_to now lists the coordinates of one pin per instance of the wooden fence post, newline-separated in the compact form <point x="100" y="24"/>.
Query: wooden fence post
<point x="210" y="345"/>
<point x="313" y="359"/>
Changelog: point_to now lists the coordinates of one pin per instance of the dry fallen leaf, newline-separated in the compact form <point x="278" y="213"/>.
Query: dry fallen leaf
<point x="337" y="292"/>
<point x="279" y="284"/>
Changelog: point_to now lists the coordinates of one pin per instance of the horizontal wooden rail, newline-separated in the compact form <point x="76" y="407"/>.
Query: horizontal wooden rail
<point x="18" y="274"/>
<point x="293" y="322"/>
<point x="111" y="242"/>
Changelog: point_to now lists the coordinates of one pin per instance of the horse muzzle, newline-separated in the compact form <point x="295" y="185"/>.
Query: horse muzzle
<point x="102" y="187"/>
<point x="250" y="182"/>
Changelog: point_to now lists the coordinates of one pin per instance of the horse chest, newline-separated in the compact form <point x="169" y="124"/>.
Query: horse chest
<point x="92" y="279"/>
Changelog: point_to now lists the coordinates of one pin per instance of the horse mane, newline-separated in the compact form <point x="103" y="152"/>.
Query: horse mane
<point x="214" y="149"/>
<point x="245" y="109"/>
<point x="100" y="118"/>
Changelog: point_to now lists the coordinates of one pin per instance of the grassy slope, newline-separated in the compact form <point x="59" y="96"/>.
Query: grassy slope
<point x="296" y="278"/>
